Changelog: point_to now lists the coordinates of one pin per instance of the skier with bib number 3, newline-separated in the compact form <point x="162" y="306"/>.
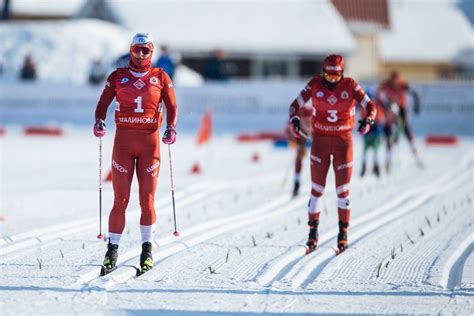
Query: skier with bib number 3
<point x="139" y="90"/>
<point x="332" y="97"/>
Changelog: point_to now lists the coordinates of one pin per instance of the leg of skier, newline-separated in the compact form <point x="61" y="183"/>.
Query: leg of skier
<point x="320" y="160"/>
<point x="342" y="164"/>
<point x="148" y="167"/>
<point x="122" y="175"/>
<point x="300" y="154"/>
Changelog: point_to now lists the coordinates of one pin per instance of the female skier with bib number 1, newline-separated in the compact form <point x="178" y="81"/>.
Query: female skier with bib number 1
<point x="140" y="91"/>
<point x="332" y="97"/>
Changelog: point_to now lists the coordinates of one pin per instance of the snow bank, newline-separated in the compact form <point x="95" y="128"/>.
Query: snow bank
<point x="63" y="50"/>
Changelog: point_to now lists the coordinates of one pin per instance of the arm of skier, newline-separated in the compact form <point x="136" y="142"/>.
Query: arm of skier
<point x="169" y="99"/>
<point x="298" y="103"/>
<point x="108" y="94"/>
<point x="369" y="107"/>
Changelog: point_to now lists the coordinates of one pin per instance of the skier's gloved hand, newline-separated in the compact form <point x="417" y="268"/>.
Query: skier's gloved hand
<point x="169" y="136"/>
<point x="99" y="128"/>
<point x="295" y="123"/>
<point x="364" y="125"/>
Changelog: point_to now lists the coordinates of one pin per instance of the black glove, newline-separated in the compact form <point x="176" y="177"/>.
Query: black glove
<point x="295" y="121"/>
<point x="363" y="124"/>
<point x="100" y="124"/>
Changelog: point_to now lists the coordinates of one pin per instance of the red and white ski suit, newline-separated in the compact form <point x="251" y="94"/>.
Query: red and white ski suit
<point x="138" y="117"/>
<point x="332" y="123"/>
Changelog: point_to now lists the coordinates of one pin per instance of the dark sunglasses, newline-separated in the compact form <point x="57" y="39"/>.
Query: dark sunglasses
<point x="137" y="49"/>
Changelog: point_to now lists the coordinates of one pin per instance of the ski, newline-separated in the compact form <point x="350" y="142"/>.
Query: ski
<point x="142" y="271"/>
<point x="310" y="250"/>
<point x="104" y="270"/>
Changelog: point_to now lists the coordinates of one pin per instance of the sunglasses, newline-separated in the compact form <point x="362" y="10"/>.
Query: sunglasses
<point x="332" y="77"/>
<point x="137" y="49"/>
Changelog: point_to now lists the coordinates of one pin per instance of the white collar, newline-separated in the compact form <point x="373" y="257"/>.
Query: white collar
<point x="138" y="74"/>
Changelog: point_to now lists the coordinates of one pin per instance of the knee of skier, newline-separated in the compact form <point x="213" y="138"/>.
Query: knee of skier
<point x="147" y="204"/>
<point x="120" y="203"/>
<point x="313" y="204"/>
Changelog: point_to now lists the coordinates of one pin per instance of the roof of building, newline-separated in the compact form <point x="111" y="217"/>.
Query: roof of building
<point x="238" y="26"/>
<point x="421" y="31"/>
<point x="37" y="8"/>
<point x="364" y="15"/>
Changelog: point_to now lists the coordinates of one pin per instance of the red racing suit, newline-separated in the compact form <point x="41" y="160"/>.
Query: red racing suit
<point x="138" y="116"/>
<point x="332" y="123"/>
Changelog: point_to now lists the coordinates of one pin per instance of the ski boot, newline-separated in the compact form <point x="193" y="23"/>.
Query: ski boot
<point x="362" y="172"/>
<point x="146" y="259"/>
<point x="377" y="170"/>
<point x="110" y="259"/>
<point x="313" y="236"/>
<point x="296" y="188"/>
<point x="342" y="237"/>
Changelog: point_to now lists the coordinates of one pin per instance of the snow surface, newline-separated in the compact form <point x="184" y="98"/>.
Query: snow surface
<point x="242" y="236"/>
<point x="63" y="51"/>
<point x="434" y="31"/>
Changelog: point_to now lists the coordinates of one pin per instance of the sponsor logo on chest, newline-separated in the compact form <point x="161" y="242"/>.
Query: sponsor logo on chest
<point x="154" y="80"/>
<point x="332" y="99"/>
<point x="124" y="80"/>
<point x="139" y="84"/>
<point x="319" y="94"/>
<point x="344" y="95"/>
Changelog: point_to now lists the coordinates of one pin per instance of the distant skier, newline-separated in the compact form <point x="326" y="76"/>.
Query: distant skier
<point x="392" y="95"/>
<point x="305" y="114"/>
<point x="373" y="138"/>
<point x="139" y="90"/>
<point x="332" y="97"/>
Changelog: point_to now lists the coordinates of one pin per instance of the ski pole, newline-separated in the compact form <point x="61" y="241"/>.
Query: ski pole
<point x="176" y="233"/>
<point x="100" y="236"/>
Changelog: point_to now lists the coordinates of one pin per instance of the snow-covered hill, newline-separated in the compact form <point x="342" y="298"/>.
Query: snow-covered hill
<point x="242" y="236"/>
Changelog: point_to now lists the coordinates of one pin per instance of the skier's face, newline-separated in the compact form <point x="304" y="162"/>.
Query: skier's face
<point x="141" y="52"/>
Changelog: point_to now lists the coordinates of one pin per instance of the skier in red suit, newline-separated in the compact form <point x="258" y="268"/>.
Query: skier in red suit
<point x="392" y="94"/>
<point x="140" y="92"/>
<point x="332" y="97"/>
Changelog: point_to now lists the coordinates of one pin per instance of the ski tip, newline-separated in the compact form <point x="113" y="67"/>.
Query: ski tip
<point x="309" y="250"/>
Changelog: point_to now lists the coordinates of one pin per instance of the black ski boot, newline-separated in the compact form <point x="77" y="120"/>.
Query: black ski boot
<point x="377" y="170"/>
<point x="296" y="188"/>
<point x="313" y="236"/>
<point x="362" y="172"/>
<point x="342" y="237"/>
<point x="146" y="259"/>
<point x="110" y="259"/>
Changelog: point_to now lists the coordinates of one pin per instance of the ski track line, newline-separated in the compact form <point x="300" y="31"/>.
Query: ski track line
<point x="194" y="236"/>
<point x="453" y="268"/>
<point x="307" y="273"/>
<point x="279" y="266"/>
<point x="48" y="234"/>
<point x="291" y="261"/>
<point x="415" y="260"/>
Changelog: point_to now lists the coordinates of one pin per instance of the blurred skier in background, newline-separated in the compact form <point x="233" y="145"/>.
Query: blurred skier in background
<point x="97" y="73"/>
<point x="373" y="138"/>
<point x="332" y="98"/>
<point x="166" y="62"/>
<point x="28" y="70"/>
<point x="305" y="113"/>
<point x="392" y="94"/>
<point x="139" y="90"/>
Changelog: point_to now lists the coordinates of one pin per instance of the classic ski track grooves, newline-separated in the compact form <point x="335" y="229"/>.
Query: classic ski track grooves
<point x="42" y="236"/>
<point x="194" y="236"/>
<point x="295" y="269"/>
